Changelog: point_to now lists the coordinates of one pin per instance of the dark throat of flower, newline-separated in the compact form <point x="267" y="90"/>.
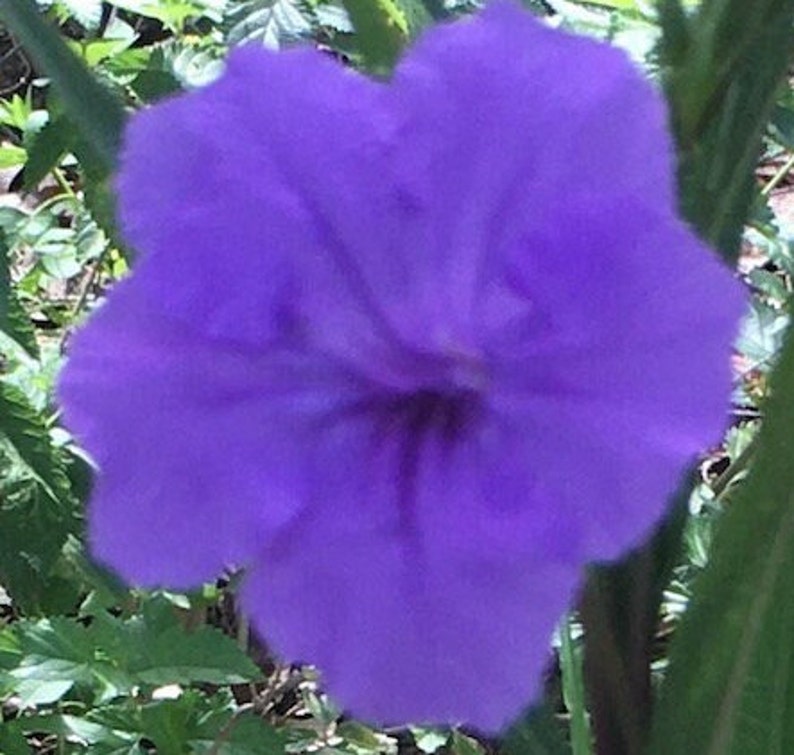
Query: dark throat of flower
<point x="426" y="426"/>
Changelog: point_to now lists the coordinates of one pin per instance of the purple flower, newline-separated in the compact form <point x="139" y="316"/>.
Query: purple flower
<point x="413" y="353"/>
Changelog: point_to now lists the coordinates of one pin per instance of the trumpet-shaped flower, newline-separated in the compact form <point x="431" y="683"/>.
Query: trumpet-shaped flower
<point x="412" y="353"/>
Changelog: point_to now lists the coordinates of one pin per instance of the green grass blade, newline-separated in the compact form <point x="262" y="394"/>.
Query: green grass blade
<point x="730" y="687"/>
<point x="723" y="68"/>
<point x="573" y="691"/>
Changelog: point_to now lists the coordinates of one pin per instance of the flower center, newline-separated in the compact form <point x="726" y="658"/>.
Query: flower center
<point x="423" y="423"/>
<point x="444" y="413"/>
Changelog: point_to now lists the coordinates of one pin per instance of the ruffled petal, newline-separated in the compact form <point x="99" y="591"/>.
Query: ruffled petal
<point x="199" y="442"/>
<point x="612" y="355"/>
<point x="501" y="118"/>
<point x="269" y="203"/>
<point x="439" y="613"/>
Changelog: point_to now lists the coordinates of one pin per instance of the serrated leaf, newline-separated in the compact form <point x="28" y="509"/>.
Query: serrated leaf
<point x="47" y="149"/>
<point x="269" y="22"/>
<point x="23" y="428"/>
<point x="762" y="333"/>
<point x="14" y="321"/>
<point x="111" y="656"/>
<point x="18" y="326"/>
<point x="33" y="530"/>
<point x="194" y="723"/>
<point x="731" y="676"/>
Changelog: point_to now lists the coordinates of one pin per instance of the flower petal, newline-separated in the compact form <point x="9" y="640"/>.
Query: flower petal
<point x="502" y="117"/>
<point x="269" y="190"/>
<point x="624" y="375"/>
<point x="446" y="622"/>
<point x="198" y="441"/>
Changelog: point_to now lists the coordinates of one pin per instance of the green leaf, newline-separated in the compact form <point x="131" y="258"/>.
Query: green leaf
<point x="437" y="10"/>
<point x="47" y="149"/>
<point x="573" y="690"/>
<point x="382" y="30"/>
<point x="96" y="113"/>
<point x="32" y="532"/>
<point x="417" y="15"/>
<point x="620" y="612"/>
<point x="429" y="740"/>
<point x="363" y="738"/>
<point x="462" y="744"/>
<point x="247" y="735"/>
<point x="723" y="67"/>
<point x="24" y="430"/>
<point x="176" y="656"/>
<point x="270" y="22"/>
<point x="194" y="723"/>
<point x="110" y="657"/>
<point x="623" y="5"/>
<point x="12" y="742"/>
<point x="730" y="684"/>
<point x="58" y="653"/>
<point x="5" y="285"/>
<point x="12" y="156"/>
<point x="101" y="739"/>
<point x="118" y="36"/>
<point x="536" y="733"/>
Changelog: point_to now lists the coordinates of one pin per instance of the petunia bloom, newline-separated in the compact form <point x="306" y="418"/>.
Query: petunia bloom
<point x="412" y="353"/>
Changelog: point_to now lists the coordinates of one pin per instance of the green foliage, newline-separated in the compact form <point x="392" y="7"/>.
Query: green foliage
<point x="37" y="508"/>
<point x="192" y="723"/>
<point x="14" y="322"/>
<point x="94" y="109"/>
<point x="382" y="29"/>
<point x="728" y="688"/>
<point x="270" y="22"/>
<point x="724" y="65"/>
<point x="537" y="733"/>
<point x="49" y="146"/>
<point x="573" y="690"/>
<point x="27" y="439"/>
<point x="107" y="657"/>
